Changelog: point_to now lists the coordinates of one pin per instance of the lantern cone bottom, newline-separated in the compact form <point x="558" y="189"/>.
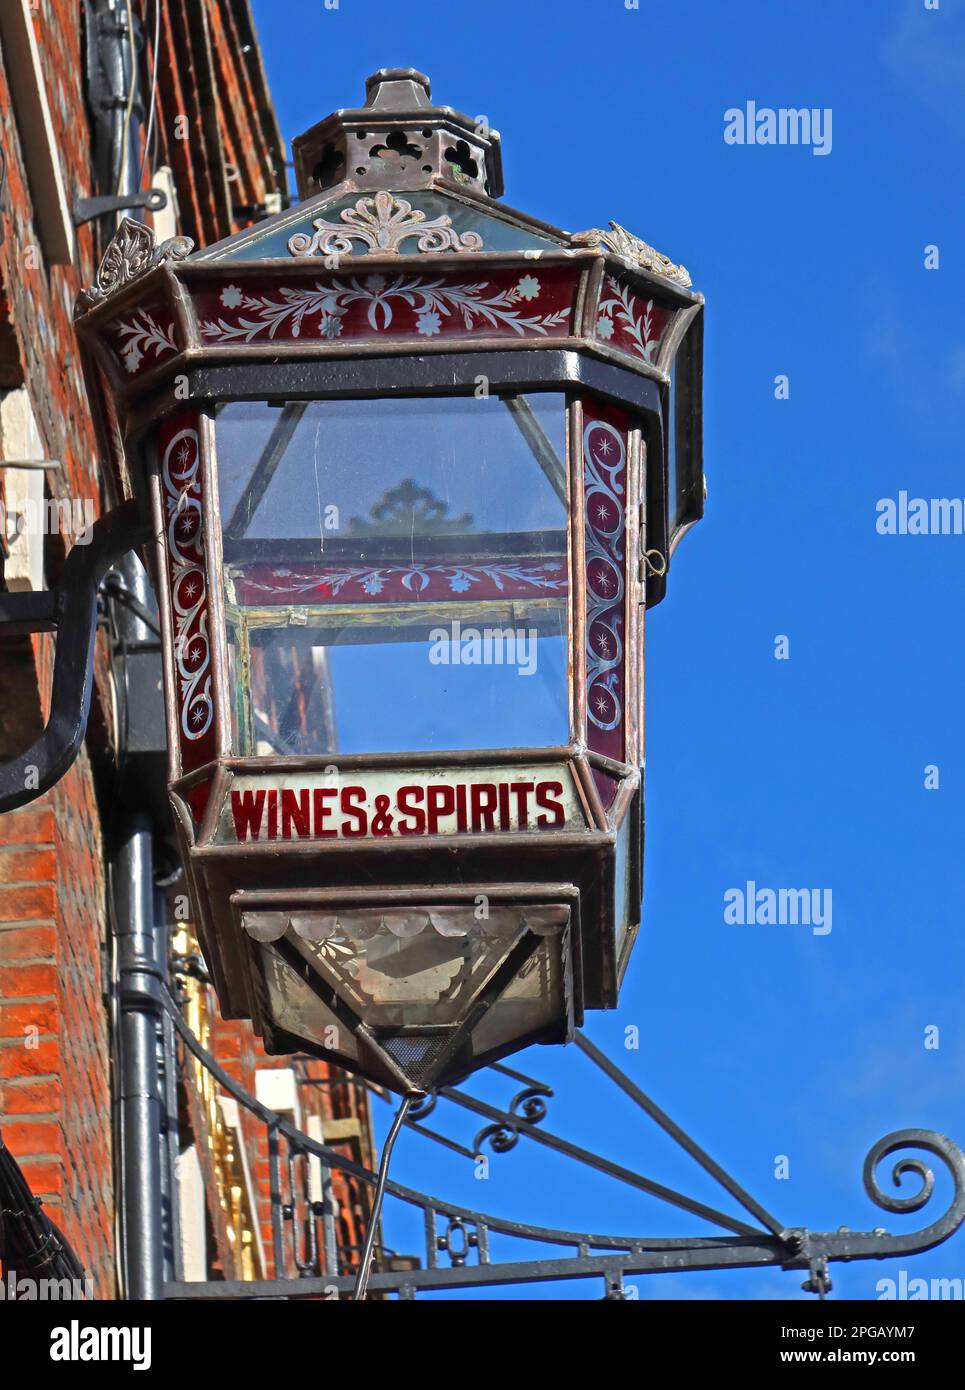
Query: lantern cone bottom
<point x="413" y="997"/>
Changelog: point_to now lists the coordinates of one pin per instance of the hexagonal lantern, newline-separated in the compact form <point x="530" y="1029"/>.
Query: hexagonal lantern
<point x="417" y="462"/>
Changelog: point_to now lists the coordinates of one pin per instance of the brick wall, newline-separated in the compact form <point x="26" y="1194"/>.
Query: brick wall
<point x="55" y="1091"/>
<point x="54" y="1067"/>
<point x="54" y="1078"/>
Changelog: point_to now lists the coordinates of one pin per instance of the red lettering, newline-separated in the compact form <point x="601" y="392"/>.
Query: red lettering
<point x="322" y="811"/>
<point x="405" y="797"/>
<point x="440" y="801"/>
<point x="546" y="793"/>
<point x="521" y="791"/>
<point x="292" y="813"/>
<point x="482" y="797"/>
<point x="247" y="808"/>
<point x="295" y="813"/>
<point x="355" y="795"/>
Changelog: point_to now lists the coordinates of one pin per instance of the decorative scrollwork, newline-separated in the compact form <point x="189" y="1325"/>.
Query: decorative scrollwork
<point x="382" y="223"/>
<point x="950" y="1154"/>
<point x="459" y="1239"/>
<point x="604" y="456"/>
<point x="422" y="1106"/>
<point x="637" y="252"/>
<point x="501" y="1139"/>
<point x="530" y="1104"/>
<point x="181" y="478"/>
<point x="131" y="253"/>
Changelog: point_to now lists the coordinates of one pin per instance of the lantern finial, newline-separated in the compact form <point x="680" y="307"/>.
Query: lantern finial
<point x="395" y="89"/>
<point x="398" y="140"/>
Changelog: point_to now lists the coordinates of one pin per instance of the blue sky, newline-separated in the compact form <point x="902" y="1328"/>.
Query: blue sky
<point x="761" y="1040"/>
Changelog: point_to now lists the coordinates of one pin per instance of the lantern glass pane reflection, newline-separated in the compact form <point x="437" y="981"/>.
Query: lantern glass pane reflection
<point x="395" y="573"/>
<point x="418" y="978"/>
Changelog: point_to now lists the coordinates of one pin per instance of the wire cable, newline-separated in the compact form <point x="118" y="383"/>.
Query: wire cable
<point x="130" y="103"/>
<point x="362" y="1278"/>
<point x="150" y="114"/>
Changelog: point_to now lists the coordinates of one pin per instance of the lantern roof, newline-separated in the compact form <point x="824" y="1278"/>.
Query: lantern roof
<point x="349" y="222"/>
<point x="400" y="176"/>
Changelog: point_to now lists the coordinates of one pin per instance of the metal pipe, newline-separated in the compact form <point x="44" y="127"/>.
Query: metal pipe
<point x="365" y="1266"/>
<point x="167" y="1052"/>
<point x="140" y="1006"/>
<point x="145" y="1088"/>
<point x="149" y="1177"/>
<point x="114" y="37"/>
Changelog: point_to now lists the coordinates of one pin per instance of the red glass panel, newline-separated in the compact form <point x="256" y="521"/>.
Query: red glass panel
<point x="266" y="585"/>
<point x="180" y="455"/>
<point x="630" y="322"/>
<point x="604" y="483"/>
<point x="502" y="304"/>
<point x="143" y="338"/>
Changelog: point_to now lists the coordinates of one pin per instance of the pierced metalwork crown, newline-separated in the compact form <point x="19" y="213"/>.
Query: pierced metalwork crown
<point x="398" y="139"/>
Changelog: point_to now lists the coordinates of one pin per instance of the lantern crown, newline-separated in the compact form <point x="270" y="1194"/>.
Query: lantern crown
<point x="398" y="139"/>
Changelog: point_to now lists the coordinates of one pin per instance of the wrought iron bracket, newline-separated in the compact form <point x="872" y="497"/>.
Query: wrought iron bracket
<point x="463" y="1237"/>
<point x="70" y="610"/>
<point x="87" y="209"/>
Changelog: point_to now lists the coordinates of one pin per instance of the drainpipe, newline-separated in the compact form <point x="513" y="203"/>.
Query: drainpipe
<point x="146" y="1185"/>
<point x="140" y="944"/>
<point x="139" y="1091"/>
<point x="111" y="75"/>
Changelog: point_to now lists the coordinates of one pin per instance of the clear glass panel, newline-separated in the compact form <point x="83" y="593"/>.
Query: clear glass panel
<point x="424" y="966"/>
<point x="673" y="497"/>
<point x="685" y="481"/>
<point x="395" y="573"/>
<point x="396" y="969"/>
<point x="533" y="1001"/>
<point x="625" y="911"/>
<point x="296" y="1008"/>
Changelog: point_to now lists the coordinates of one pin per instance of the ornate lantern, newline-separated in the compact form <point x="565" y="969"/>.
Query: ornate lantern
<point x="416" y="463"/>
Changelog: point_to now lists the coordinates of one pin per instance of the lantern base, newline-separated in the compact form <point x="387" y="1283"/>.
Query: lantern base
<point x="413" y="994"/>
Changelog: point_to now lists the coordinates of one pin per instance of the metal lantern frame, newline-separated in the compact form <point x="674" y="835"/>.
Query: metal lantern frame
<point x="146" y="325"/>
<point x="403" y="303"/>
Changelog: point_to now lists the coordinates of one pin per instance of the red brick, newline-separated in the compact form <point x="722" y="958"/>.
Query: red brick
<point x="28" y="904"/>
<point x="228" y="1046"/>
<point x="17" y="1060"/>
<point x="27" y="943"/>
<point x="32" y="826"/>
<point x="34" y="1098"/>
<point x="33" y="1138"/>
<point x="28" y="866"/>
<point x="16" y="1018"/>
<point x="23" y="981"/>
<point x="45" y="1178"/>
